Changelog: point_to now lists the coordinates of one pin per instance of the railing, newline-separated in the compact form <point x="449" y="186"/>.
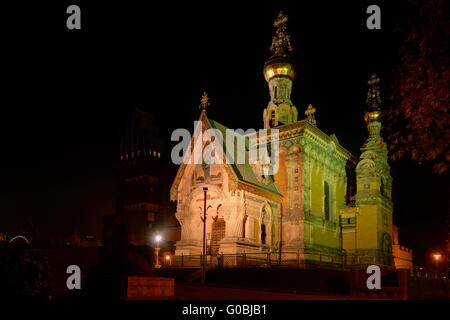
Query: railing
<point x="309" y="259"/>
<point x="299" y="259"/>
<point x="425" y="273"/>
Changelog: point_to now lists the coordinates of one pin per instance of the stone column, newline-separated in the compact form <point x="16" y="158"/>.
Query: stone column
<point x="293" y="222"/>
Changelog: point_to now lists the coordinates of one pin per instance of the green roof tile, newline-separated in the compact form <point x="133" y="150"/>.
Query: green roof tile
<point x="244" y="172"/>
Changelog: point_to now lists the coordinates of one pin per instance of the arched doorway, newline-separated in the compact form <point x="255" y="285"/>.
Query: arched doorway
<point x="217" y="234"/>
<point x="265" y="225"/>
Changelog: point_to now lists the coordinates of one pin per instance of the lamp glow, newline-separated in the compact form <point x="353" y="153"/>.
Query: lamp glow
<point x="158" y="239"/>
<point x="437" y="257"/>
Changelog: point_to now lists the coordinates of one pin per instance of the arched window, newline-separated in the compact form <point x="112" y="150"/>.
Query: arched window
<point x="263" y="234"/>
<point x="326" y="200"/>
<point x="276" y="92"/>
<point x="263" y="231"/>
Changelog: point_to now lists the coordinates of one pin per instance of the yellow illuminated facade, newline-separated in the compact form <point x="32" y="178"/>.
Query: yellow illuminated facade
<point x="310" y="210"/>
<point x="367" y="228"/>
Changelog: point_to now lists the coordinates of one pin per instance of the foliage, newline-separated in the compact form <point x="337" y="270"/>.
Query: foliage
<point x="418" y="118"/>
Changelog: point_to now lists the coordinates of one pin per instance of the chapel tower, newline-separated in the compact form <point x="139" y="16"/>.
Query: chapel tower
<point x="280" y="72"/>
<point x="374" y="185"/>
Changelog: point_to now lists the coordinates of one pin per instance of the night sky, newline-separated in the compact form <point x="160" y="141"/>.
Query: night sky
<point x="66" y="96"/>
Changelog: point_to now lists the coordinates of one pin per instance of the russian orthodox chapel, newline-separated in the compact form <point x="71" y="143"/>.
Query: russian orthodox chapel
<point x="312" y="203"/>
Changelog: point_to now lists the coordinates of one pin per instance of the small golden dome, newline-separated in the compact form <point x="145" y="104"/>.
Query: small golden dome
<point x="279" y="66"/>
<point x="372" y="116"/>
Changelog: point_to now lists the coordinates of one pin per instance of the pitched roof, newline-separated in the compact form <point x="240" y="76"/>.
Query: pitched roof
<point x="243" y="172"/>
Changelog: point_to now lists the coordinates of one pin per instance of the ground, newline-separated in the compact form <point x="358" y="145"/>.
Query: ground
<point x="220" y="292"/>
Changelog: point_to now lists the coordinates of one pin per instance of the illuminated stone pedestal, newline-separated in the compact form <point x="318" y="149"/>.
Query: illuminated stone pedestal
<point x="235" y="245"/>
<point x="243" y="253"/>
<point x="188" y="248"/>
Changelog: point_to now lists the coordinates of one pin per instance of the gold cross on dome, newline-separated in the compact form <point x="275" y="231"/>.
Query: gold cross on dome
<point x="281" y="42"/>
<point x="310" y="115"/>
<point x="310" y="111"/>
<point x="204" y="102"/>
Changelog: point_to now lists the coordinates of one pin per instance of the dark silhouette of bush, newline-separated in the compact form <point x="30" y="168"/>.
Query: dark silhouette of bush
<point x="24" y="273"/>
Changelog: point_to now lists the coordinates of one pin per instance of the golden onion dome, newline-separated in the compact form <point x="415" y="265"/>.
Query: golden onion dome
<point x="279" y="66"/>
<point x="371" y="116"/>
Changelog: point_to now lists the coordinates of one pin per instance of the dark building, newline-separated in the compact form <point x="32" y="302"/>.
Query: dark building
<point x="141" y="189"/>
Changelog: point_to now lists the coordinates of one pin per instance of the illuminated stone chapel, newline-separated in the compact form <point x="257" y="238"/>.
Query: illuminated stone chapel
<point x="308" y="206"/>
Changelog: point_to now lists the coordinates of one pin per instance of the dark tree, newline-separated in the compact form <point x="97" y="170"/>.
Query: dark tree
<point x="418" y="116"/>
<point x="24" y="273"/>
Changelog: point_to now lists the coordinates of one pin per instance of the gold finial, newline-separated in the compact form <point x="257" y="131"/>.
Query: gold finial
<point x="373" y="100"/>
<point x="310" y="115"/>
<point x="281" y="41"/>
<point x="204" y="102"/>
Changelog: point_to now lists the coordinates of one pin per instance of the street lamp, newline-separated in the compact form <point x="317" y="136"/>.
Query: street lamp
<point x="157" y="240"/>
<point x="205" y="190"/>
<point x="437" y="258"/>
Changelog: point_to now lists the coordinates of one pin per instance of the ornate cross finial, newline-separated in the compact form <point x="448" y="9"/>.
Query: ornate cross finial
<point x="281" y="41"/>
<point x="204" y="102"/>
<point x="373" y="100"/>
<point x="310" y="115"/>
